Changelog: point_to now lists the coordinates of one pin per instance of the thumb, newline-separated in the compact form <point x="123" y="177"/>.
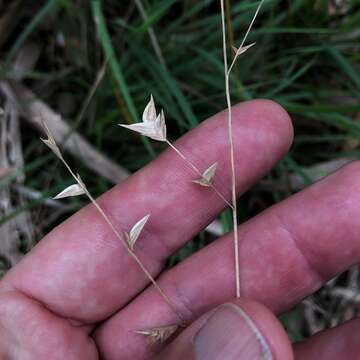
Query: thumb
<point x="241" y="330"/>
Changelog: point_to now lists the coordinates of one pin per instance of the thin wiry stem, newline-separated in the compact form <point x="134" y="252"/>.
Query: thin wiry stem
<point x="152" y="35"/>
<point x="231" y="41"/>
<point x="99" y="77"/>
<point x="246" y="34"/>
<point x="227" y="72"/>
<point x="233" y="179"/>
<point x="198" y="172"/>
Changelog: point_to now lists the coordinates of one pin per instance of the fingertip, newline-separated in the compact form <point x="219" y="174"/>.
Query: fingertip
<point x="351" y="171"/>
<point x="270" y="117"/>
<point x="269" y="326"/>
<point x="240" y="329"/>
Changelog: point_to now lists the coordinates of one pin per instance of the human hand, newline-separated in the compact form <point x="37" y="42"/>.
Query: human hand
<point x="78" y="294"/>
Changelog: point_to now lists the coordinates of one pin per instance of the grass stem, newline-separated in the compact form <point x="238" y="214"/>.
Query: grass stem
<point x="227" y="72"/>
<point x="152" y="35"/>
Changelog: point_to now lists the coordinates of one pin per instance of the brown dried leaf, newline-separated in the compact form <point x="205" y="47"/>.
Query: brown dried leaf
<point x="136" y="231"/>
<point x="207" y="176"/>
<point x="72" y="190"/>
<point x="158" y="334"/>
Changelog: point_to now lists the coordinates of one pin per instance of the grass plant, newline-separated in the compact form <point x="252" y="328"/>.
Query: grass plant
<point x="305" y="58"/>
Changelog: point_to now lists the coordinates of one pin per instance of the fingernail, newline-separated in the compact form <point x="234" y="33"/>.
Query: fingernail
<point x="230" y="334"/>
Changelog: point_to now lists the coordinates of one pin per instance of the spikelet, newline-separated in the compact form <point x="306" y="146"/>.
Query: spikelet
<point x="158" y="334"/>
<point x="72" y="190"/>
<point x="50" y="141"/>
<point x="152" y="125"/>
<point x="207" y="176"/>
<point x="242" y="50"/>
<point x="136" y="231"/>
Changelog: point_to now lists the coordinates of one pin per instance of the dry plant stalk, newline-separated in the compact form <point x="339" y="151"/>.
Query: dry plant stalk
<point x="153" y="126"/>
<point x="75" y="144"/>
<point x="18" y="229"/>
<point x="152" y="35"/>
<point x="227" y="71"/>
<point x="129" y="240"/>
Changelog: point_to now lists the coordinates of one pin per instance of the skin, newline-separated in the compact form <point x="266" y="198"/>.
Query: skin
<point x="78" y="294"/>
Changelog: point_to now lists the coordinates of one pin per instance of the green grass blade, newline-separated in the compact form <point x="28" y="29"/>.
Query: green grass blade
<point x="29" y="29"/>
<point x="155" y="15"/>
<point x="345" y="66"/>
<point x="115" y="66"/>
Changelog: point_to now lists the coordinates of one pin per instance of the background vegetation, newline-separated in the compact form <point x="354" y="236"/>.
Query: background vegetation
<point x="96" y="62"/>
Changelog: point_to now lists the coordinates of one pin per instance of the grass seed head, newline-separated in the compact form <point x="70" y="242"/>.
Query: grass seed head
<point x="158" y="334"/>
<point x="152" y="125"/>
<point x="136" y="231"/>
<point x="207" y="176"/>
<point x="72" y="190"/>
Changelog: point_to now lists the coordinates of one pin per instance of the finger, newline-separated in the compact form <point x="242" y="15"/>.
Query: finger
<point x="286" y="253"/>
<point x="29" y="331"/>
<point x="240" y="330"/>
<point x="341" y="342"/>
<point x="81" y="271"/>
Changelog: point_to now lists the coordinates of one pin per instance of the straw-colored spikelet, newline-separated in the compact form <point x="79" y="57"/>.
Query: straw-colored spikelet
<point x="152" y="125"/>
<point x="207" y="176"/>
<point x="135" y="231"/>
<point x="72" y="190"/>
<point x="50" y="141"/>
<point x="242" y="50"/>
<point x="158" y="334"/>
